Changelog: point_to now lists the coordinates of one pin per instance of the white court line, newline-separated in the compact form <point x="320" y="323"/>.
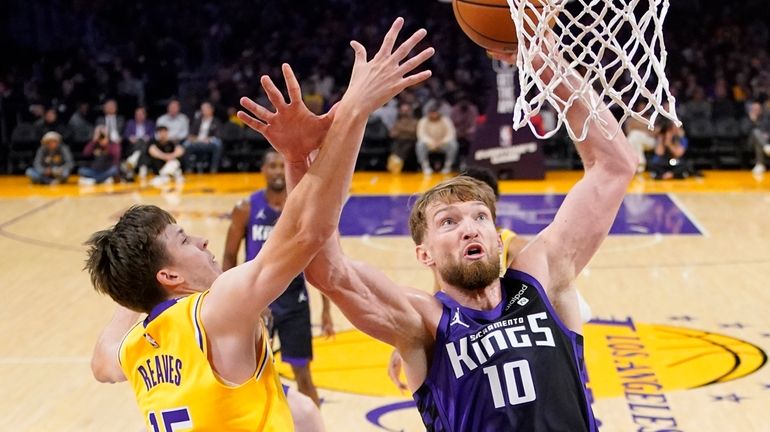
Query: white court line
<point x="368" y="240"/>
<point x="689" y="215"/>
<point x="42" y="360"/>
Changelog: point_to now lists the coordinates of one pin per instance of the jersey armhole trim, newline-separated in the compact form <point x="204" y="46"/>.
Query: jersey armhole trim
<point x="122" y="341"/>
<point x="266" y="354"/>
<point x="200" y="332"/>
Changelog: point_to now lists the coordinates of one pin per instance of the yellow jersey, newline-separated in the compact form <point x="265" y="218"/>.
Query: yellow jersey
<point x="165" y="359"/>
<point x="506" y="235"/>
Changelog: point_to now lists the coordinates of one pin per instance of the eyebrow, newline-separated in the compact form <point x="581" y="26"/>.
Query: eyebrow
<point x="452" y="206"/>
<point x="443" y="209"/>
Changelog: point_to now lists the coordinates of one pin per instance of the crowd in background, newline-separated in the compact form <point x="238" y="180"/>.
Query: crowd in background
<point x="74" y="62"/>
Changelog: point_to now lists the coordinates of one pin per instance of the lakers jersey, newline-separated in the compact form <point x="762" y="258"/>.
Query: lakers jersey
<point x="165" y="358"/>
<point x="515" y="368"/>
<point x="506" y="236"/>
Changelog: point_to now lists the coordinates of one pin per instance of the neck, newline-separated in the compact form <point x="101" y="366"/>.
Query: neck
<point x="483" y="299"/>
<point x="276" y="199"/>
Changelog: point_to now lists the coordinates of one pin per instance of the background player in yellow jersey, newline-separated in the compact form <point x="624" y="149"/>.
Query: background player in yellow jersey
<point x="200" y="359"/>
<point x="512" y="245"/>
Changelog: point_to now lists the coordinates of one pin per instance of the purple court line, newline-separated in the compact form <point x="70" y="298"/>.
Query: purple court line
<point x="32" y="241"/>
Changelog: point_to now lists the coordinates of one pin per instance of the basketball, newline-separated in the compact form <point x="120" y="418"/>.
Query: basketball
<point x="488" y="22"/>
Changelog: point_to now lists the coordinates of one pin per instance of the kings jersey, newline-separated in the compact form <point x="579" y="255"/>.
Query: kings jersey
<point x="262" y="219"/>
<point x="513" y="368"/>
<point x="165" y="359"/>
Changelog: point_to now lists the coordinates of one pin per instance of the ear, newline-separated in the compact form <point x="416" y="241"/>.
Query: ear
<point x="500" y="244"/>
<point x="424" y="256"/>
<point x="169" y="279"/>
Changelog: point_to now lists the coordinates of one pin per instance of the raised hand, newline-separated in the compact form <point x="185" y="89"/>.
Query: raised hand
<point x="376" y="81"/>
<point x="293" y="130"/>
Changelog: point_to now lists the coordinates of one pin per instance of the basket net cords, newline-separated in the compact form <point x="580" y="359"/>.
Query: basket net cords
<point x="610" y="53"/>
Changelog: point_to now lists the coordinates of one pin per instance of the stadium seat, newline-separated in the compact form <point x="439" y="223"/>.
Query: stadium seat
<point x="21" y="150"/>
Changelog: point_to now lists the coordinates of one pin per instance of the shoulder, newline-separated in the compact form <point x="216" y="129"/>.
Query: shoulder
<point x="243" y="206"/>
<point x="428" y="307"/>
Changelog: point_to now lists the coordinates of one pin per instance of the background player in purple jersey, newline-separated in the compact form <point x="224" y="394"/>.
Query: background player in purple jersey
<point x="253" y="219"/>
<point x="489" y="353"/>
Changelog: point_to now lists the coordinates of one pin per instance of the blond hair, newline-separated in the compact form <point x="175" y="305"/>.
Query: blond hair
<point x="457" y="189"/>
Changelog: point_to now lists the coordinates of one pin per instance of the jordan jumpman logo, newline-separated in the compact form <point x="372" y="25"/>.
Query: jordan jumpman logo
<point x="456" y="319"/>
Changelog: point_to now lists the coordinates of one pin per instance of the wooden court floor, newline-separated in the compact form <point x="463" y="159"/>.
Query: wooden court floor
<point x="682" y="321"/>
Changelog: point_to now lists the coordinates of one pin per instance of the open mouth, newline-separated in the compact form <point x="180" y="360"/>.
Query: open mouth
<point x="473" y="251"/>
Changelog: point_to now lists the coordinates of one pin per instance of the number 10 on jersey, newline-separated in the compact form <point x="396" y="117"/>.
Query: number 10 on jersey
<point x="517" y="380"/>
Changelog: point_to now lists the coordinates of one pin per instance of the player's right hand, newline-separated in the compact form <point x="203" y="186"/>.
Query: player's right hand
<point x="374" y="82"/>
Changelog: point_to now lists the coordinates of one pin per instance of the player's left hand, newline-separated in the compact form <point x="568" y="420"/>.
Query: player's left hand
<point x="327" y="325"/>
<point x="394" y="371"/>
<point x="293" y="130"/>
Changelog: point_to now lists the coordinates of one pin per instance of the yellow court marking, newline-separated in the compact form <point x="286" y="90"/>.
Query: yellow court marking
<point x="620" y="357"/>
<point x="719" y="281"/>
<point x="556" y="182"/>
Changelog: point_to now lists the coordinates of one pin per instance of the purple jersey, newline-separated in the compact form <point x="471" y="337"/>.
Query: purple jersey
<point x="513" y="368"/>
<point x="262" y="219"/>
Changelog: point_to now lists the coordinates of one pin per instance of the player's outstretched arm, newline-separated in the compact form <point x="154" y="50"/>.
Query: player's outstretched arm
<point x="310" y="216"/>
<point x="104" y="360"/>
<point x="558" y="254"/>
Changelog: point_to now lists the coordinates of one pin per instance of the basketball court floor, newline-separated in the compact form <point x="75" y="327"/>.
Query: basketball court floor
<point x="680" y="293"/>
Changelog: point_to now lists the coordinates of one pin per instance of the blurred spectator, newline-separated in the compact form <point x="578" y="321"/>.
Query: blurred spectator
<point x="759" y="127"/>
<point x="164" y="158"/>
<point x="79" y="119"/>
<point x="105" y="155"/>
<point x="724" y="106"/>
<point x="436" y="134"/>
<point x="130" y="88"/>
<point x="464" y="117"/>
<point x="204" y="138"/>
<point x="139" y="132"/>
<point x="640" y="137"/>
<point x="404" y="136"/>
<point x="112" y="122"/>
<point x="668" y="161"/>
<point x="175" y="121"/>
<point x="50" y="123"/>
<point x="53" y="161"/>
<point x="232" y="117"/>
<point x="388" y="113"/>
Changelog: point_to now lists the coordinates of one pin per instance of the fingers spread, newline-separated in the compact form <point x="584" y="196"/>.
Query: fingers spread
<point x="257" y="110"/>
<point x="360" y="52"/>
<point x="417" y="60"/>
<point x="403" y="50"/>
<point x="252" y="122"/>
<point x="390" y="38"/>
<point x="275" y="96"/>
<point x="415" y="79"/>
<point x="292" y="85"/>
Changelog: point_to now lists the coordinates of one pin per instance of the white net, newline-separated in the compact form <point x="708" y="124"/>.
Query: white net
<point x="615" y="46"/>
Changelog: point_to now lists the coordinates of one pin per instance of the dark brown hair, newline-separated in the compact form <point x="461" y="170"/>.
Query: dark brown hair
<point x="458" y="189"/>
<point x="123" y="260"/>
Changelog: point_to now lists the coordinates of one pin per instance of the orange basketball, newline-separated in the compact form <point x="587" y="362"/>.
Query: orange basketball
<point x="489" y="23"/>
